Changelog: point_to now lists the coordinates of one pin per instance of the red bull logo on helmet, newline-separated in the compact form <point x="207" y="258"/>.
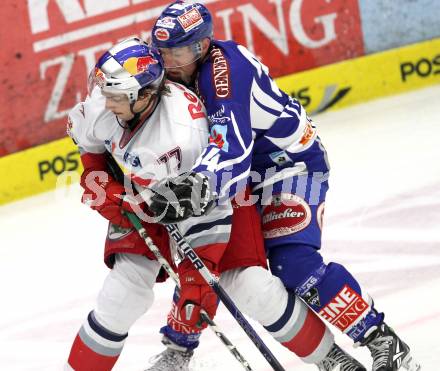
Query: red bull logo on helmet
<point x="99" y="77"/>
<point x="137" y="65"/>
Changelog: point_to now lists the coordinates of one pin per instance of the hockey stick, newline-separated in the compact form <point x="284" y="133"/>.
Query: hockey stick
<point x="117" y="173"/>
<point x="189" y="252"/>
<point x="155" y="250"/>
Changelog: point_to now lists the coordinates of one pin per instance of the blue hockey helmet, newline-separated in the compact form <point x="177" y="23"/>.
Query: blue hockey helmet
<point x="181" y="24"/>
<point x="128" y="67"/>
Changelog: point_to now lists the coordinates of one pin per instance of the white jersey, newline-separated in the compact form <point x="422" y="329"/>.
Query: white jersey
<point x="168" y="143"/>
<point x="171" y="132"/>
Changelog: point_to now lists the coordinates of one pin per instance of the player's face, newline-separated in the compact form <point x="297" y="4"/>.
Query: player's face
<point x="119" y="105"/>
<point x="180" y="57"/>
<point x="182" y="74"/>
<point x="180" y="63"/>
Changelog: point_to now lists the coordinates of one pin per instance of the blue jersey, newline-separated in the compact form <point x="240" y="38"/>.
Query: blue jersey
<point x="256" y="129"/>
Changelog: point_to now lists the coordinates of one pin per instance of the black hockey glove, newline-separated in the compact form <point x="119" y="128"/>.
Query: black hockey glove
<point x="180" y="198"/>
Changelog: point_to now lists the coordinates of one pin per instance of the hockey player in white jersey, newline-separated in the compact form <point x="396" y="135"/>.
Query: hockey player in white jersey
<point x="156" y="129"/>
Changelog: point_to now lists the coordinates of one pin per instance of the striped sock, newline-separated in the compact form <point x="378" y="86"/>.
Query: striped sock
<point x="300" y="330"/>
<point x="95" y="348"/>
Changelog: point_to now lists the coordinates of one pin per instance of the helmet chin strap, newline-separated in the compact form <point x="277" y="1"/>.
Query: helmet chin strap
<point x="144" y="113"/>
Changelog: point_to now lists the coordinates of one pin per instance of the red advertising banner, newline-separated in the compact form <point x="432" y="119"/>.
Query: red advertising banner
<point x="48" y="47"/>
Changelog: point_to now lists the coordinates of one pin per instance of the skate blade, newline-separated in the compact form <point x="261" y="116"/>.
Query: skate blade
<point x="410" y="364"/>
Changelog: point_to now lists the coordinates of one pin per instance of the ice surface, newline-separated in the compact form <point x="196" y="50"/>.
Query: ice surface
<point x="382" y="221"/>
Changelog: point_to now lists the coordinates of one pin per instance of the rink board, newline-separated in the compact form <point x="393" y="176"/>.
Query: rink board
<point x="335" y="86"/>
<point x="355" y="81"/>
<point x="38" y="169"/>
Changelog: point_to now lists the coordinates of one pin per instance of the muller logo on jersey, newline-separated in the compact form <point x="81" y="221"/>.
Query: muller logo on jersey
<point x="286" y="214"/>
<point x="220" y="74"/>
<point x="345" y="309"/>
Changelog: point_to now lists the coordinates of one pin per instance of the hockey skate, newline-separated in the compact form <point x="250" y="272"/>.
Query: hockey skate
<point x="338" y="360"/>
<point x="173" y="358"/>
<point x="388" y="351"/>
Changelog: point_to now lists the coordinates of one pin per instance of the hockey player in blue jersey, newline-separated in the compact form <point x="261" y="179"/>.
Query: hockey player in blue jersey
<point x="261" y="135"/>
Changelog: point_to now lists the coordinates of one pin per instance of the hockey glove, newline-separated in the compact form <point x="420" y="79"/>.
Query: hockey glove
<point x="104" y="194"/>
<point x="180" y="198"/>
<point x="195" y="295"/>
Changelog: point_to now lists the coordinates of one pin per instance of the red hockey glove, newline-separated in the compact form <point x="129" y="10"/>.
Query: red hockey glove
<point x="195" y="295"/>
<point x="104" y="194"/>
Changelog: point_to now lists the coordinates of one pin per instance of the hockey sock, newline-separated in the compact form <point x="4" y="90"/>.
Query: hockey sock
<point x="337" y="297"/>
<point x="330" y="290"/>
<point x="95" y="348"/>
<point x="300" y="330"/>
